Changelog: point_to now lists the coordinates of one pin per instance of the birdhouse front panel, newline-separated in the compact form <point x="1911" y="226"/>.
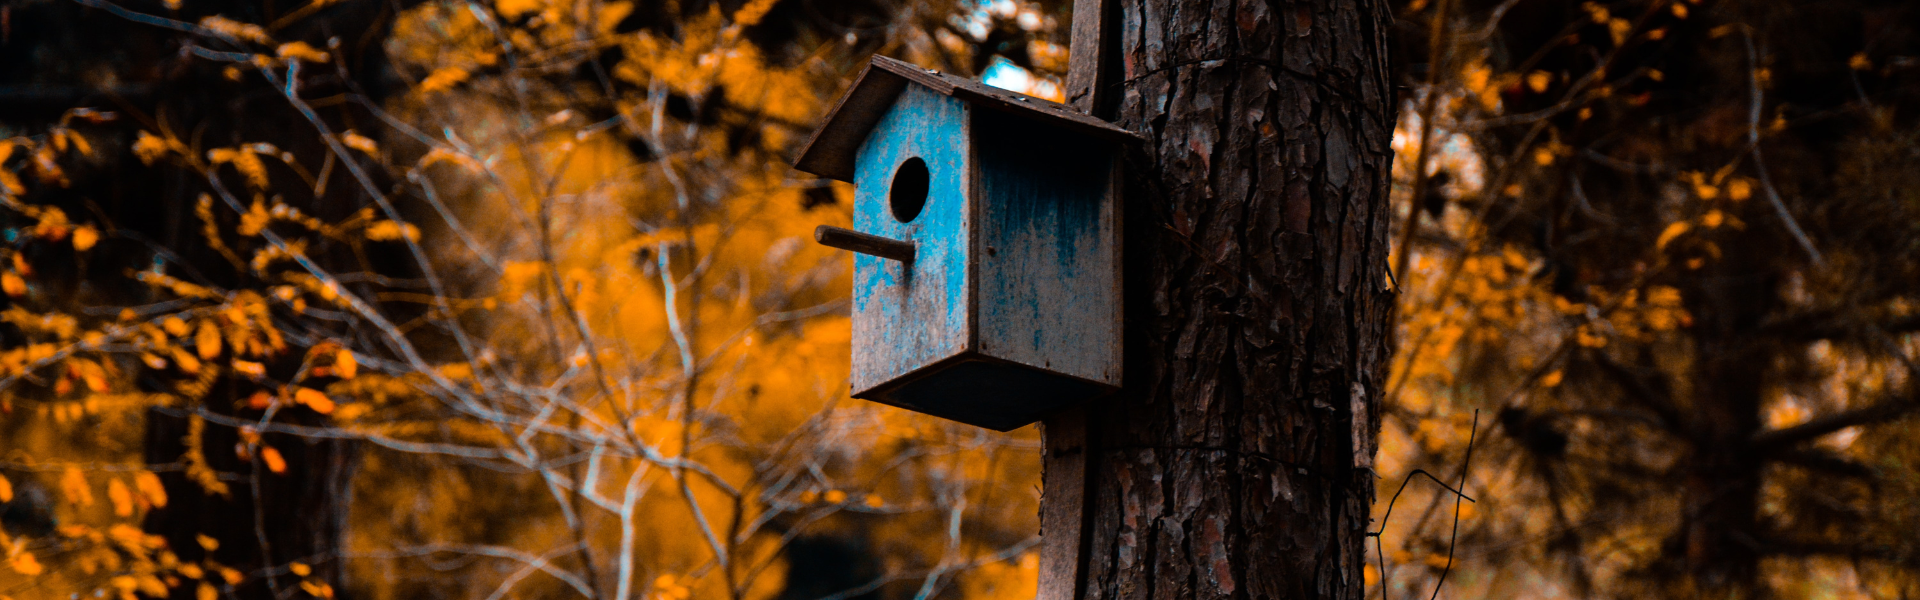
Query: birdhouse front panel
<point x="1049" y="286"/>
<point x="986" y="239"/>
<point x="911" y="182"/>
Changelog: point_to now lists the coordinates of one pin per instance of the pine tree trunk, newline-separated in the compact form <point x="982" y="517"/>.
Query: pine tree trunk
<point x="1236" y="463"/>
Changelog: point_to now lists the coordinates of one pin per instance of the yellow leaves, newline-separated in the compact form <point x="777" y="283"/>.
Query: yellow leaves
<point x="514" y="9"/>
<point x="1619" y="29"/>
<point x="271" y="457"/>
<point x="1588" y="338"/>
<point x="190" y="571"/>
<point x="344" y="365"/>
<point x="206" y="341"/>
<point x="63" y="138"/>
<point x="150" y="489"/>
<point x="1679" y="10"/>
<point x="13" y="284"/>
<point x="1552" y="379"/>
<point x="670" y="587"/>
<point x="1712" y="219"/>
<point x="74" y="486"/>
<point x="302" y="51"/>
<point x="206" y="542"/>
<point x="6" y="490"/>
<point x="611" y="13"/>
<point x="392" y="230"/>
<point x="317" y="589"/>
<point x="300" y="569"/>
<point x="85" y="237"/>
<point x="1596" y="12"/>
<point x="1549" y="152"/>
<point x="1538" y="81"/>
<point x="10" y="184"/>
<point x="313" y="399"/>
<point x="1860" y="62"/>
<point x="1672" y="231"/>
<point x="517" y="277"/>
<point x="359" y="142"/>
<point x="120" y="498"/>
<point x="196" y="459"/>
<point x="751" y="12"/>
<point x="251" y="369"/>
<point x="174" y="326"/>
<point x="835" y="496"/>
<point x="243" y="160"/>
<point x="236" y="30"/>
<point x="25" y="564"/>
<point x="206" y="591"/>
<point x="1480" y="80"/>
<point x="1739" y="189"/>
<point x="442" y="79"/>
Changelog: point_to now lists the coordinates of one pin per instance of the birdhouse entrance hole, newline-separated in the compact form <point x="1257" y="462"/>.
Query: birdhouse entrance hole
<point x="908" y="194"/>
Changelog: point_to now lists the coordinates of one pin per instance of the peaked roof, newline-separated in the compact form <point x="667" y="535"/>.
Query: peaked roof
<point x="831" y="151"/>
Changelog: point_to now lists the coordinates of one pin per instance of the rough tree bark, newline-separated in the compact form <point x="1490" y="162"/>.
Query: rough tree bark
<point x="1236" y="463"/>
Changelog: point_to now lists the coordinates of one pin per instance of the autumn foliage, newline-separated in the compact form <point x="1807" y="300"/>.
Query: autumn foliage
<point x="516" y="299"/>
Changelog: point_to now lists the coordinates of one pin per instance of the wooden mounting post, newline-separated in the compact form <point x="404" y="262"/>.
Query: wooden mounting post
<point x="1067" y="451"/>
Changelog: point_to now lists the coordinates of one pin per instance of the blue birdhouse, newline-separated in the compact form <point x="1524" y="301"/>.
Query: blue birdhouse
<point x="987" y="266"/>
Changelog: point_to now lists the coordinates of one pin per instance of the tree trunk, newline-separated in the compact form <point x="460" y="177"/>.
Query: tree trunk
<point x="1236" y="463"/>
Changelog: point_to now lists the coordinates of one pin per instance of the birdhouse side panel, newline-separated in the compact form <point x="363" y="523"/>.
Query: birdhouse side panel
<point x="1049" y="269"/>
<point x="912" y="315"/>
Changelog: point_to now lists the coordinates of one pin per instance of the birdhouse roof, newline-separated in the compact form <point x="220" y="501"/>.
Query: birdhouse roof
<point x="831" y="151"/>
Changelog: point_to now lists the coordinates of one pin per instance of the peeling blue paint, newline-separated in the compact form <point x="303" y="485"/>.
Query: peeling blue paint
<point x="910" y="316"/>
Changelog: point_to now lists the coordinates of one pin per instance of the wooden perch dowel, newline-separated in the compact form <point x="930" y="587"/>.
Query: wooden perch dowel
<point x="873" y="245"/>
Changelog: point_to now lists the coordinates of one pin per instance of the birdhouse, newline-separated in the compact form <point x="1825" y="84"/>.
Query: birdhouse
<point x="986" y="283"/>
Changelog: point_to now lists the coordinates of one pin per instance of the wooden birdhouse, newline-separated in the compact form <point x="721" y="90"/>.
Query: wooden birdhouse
<point x="987" y="265"/>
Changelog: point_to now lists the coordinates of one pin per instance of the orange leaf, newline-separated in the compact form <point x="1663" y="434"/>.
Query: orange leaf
<point x="260" y="400"/>
<point x="84" y="237"/>
<point x="1673" y="231"/>
<point x="315" y="400"/>
<point x="13" y="284"/>
<point x="74" y="485"/>
<point x="150" y="488"/>
<point x="121" y="498"/>
<point x="275" y="462"/>
<point x="6" y="490"/>
<point x="344" y="364"/>
<point x="207" y="340"/>
<point x="24" y="564"/>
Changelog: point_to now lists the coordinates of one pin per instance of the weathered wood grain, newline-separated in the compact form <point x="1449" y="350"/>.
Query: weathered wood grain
<point x="1047" y="251"/>
<point x="1091" y="72"/>
<point x="854" y="241"/>
<point x="910" y="315"/>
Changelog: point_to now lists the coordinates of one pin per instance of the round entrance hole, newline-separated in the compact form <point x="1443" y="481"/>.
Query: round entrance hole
<point x="908" y="194"/>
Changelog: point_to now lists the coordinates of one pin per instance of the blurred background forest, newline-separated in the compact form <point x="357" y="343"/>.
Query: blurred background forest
<point x="514" y="298"/>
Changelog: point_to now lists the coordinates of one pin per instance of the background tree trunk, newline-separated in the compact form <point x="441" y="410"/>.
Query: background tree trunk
<point x="1237" y="461"/>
